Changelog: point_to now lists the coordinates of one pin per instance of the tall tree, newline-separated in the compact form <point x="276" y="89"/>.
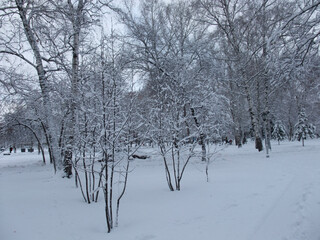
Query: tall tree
<point x="25" y="15"/>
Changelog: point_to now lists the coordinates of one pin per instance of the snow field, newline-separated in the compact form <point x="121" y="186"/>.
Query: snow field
<point x="248" y="197"/>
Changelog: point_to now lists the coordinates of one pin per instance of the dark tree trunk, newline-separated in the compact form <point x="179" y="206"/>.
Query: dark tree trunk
<point x="67" y="163"/>
<point x="201" y="136"/>
<point x="254" y="122"/>
<point x="48" y="143"/>
<point x="238" y="139"/>
<point x="259" y="145"/>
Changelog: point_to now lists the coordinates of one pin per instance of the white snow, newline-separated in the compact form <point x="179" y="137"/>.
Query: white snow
<point x="248" y="197"/>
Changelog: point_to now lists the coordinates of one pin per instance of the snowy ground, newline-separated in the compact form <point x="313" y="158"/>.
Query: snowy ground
<point x="248" y="197"/>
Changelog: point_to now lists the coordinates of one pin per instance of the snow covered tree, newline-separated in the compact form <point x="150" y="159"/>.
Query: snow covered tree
<point x="304" y="128"/>
<point x="279" y="132"/>
<point x="25" y="45"/>
<point x="168" y="46"/>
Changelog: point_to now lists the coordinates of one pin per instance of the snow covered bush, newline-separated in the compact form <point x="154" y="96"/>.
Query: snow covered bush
<point x="304" y="128"/>
<point x="279" y="132"/>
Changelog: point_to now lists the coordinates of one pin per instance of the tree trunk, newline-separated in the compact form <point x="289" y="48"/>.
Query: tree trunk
<point x="123" y="191"/>
<point x="76" y="17"/>
<point x="48" y="143"/>
<point x="202" y="136"/>
<point x="265" y="76"/>
<point x="254" y="122"/>
<point x="67" y="163"/>
<point x="168" y="175"/>
<point x="43" y="82"/>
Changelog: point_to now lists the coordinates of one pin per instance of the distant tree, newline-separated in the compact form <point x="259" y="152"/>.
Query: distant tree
<point x="304" y="128"/>
<point x="279" y="132"/>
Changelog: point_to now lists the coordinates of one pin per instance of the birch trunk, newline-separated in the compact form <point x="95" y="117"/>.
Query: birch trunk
<point x="254" y="121"/>
<point x="76" y="26"/>
<point x="43" y="82"/>
<point x="266" y="84"/>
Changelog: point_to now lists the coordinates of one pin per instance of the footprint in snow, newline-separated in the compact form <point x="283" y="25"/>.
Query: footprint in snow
<point x="145" y="237"/>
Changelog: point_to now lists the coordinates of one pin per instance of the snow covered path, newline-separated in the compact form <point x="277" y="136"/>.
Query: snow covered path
<point x="293" y="206"/>
<point x="248" y="197"/>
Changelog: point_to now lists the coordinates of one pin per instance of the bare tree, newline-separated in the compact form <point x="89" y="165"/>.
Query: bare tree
<point x="23" y="15"/>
